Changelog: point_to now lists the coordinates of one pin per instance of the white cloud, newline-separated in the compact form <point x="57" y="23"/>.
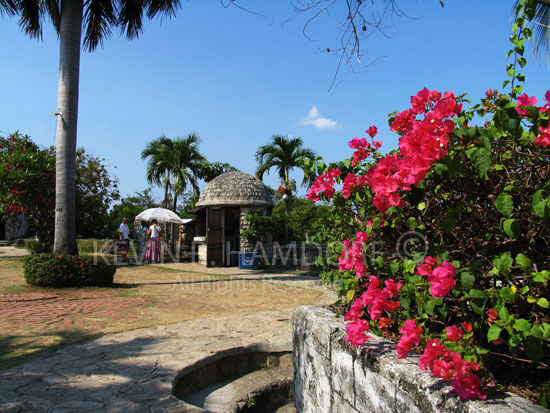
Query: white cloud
<point x="315" y="119"/>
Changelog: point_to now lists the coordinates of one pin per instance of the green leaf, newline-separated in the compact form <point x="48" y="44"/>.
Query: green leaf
<point x="493" y="333"/>
<point x="448" y="224"/>
<point x="523" y="261"/>
<point x="350" y="295"/>
<point x="507" y="293"/>
<point x="421" y="206"/>
<point x="540" y="203"/>
<point x="429" y="307"/>
<point x="481" y="159"/>
<point x="531" y="299"/>
<point x="533" y="348"/>
<point x="543" y="302"/>
<point x="541" y="276"/>
<point x="441" y="169"/>
<point x="467" y="280"/>
<point x="504" y="204"/>
<point x="545" y="330"/>
<point x="476" y="294"/>
<point x="508" y="121"/>
<point x="503" y="314"/>
<point x="478" y="305"/>
<point x="511" y="227"/>
<point x="537" y="332"/>
<point x="503" y="262"/>
<point x="522" y="325"/>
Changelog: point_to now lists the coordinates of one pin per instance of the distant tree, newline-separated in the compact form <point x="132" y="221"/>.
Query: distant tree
<point x="284" y="154"/>
<point x="176" y="161"/>
<point x="209" y="170"/>
<point x="129" y="207"/>
<point x="27" y="185"/>
<point x="97" y="18"/>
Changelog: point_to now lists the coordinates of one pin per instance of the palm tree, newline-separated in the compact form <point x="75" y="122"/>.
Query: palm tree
<point x="284" y="154"/>
<point x="97" y="18"/>
<point x="537" y="13"/>
<point x="176" y="159"/>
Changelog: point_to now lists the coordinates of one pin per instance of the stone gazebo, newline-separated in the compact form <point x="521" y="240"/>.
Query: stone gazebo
<point x="221" y="212"/>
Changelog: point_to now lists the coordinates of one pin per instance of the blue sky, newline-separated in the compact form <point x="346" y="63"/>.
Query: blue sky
<point x="236" y="79"/>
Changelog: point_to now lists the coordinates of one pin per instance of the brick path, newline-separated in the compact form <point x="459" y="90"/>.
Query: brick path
<point x="47" y="311"/>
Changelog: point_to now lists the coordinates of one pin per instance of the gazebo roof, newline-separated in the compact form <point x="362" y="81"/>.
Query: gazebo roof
<point x="235" y="189"/>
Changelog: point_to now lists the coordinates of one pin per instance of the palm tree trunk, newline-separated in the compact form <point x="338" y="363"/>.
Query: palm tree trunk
<point x="67" y="102"/>
<point x="175" y="200"/>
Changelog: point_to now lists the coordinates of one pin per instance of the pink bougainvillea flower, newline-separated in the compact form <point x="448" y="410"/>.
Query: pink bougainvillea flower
<point x="427" y="267"/>
<point x="410" y="337"/>
<point x="372" y="131"/>
<point x="431" y="353"/>
<point x="442" y="279"/>
<point x="453" y="333"/>
<point x="356" y="332"/>
<point x="468" y="387"/>
<point x="544" y="136"/>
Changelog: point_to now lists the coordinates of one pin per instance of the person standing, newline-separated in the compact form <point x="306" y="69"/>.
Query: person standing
<point x="124" y="239"/>
<point x="153" y="253"/>
<point x="139" y="236"/>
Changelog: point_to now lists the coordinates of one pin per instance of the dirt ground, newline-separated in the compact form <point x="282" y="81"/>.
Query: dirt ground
<point x="35" y="321"/>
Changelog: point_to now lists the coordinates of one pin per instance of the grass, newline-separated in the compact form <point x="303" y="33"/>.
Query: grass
<point x="142" y="296"/>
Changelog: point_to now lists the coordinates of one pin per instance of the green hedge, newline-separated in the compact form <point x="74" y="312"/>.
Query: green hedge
<point x="48" y="270"/>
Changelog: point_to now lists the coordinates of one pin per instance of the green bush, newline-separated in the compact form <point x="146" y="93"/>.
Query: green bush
<point x="38" y="247"/>
<point x="48" y="270"/>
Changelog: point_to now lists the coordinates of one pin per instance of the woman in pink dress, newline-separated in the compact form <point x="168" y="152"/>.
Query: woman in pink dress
<point x="153" y="253"/>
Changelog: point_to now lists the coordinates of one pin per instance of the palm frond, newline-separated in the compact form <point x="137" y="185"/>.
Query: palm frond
<point x="8" y="7"/>
<point x="99" y="17"/>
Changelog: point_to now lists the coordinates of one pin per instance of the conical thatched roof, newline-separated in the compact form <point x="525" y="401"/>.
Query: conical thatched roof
<point x="235" y="188"/>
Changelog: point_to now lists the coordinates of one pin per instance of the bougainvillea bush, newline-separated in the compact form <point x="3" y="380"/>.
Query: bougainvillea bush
<point x="27" y="185"/>
<point x="443" y="244"/>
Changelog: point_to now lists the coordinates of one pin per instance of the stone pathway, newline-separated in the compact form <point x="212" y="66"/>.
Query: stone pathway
<point x="133" y="370"/>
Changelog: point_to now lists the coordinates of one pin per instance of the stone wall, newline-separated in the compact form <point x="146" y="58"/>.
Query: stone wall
<point x="332" y="376"/>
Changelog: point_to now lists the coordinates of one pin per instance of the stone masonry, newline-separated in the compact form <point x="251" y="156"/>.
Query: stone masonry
<point x="332" y="376"/>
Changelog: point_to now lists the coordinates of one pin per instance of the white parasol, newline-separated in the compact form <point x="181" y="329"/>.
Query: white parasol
<point x="160" y="214"/>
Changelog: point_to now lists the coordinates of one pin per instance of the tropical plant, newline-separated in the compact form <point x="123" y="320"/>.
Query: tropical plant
<point x="70" y="18"/>
<point x="284" y="154"/>
<point x="173" y="163"/>
<point x="442" y="243"/>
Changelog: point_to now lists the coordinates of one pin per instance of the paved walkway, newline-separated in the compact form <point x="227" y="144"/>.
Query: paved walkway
<point x="133" y="371"/>
<point x="11" y="252"/>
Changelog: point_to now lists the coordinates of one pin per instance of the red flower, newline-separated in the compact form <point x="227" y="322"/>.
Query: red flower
<point x="491" y="316"/>
<point x="467" y="327"/>
<point x="384" y="322"/>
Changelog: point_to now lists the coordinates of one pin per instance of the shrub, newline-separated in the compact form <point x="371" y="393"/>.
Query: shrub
<point x="48" y="270"/>
<point x="443" y="243"/>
